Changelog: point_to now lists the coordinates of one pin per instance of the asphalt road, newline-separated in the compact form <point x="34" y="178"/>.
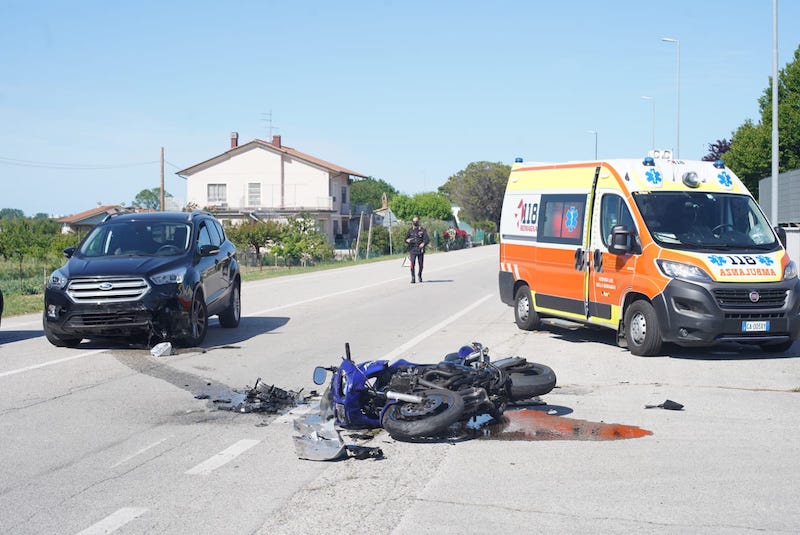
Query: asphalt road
<point x="105" y="438"/>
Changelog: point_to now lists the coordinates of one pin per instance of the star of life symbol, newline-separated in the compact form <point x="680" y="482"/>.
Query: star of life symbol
<point x="654" y="177"/>
<point x="724" y="179"/>
<point x="572" y="218"/>
<point x="767" y="261"/>
<point x="717" y="260"/>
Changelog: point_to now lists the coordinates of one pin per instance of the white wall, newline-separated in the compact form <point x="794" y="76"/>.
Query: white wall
<point x="305" y="186"/>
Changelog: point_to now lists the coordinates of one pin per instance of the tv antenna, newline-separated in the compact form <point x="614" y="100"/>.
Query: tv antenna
<point x="267" y="118"/>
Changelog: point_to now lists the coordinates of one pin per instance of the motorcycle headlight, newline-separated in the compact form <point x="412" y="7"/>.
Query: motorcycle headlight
<point x="687" y="272"/>
<point x="790" y="271"/>
<point x="57" y="280"/>
<point x="173" y="276"/>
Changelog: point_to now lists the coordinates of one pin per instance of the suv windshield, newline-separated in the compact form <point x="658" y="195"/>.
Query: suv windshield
<point x="160" y="238"/>
<point x="703" y="220"/>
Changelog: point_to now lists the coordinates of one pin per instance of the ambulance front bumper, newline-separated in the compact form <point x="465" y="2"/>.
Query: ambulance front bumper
<point x="705" y="314"/>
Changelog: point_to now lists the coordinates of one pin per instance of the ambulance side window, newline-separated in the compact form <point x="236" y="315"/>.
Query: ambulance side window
<point x="561" y="219"/>
<point x="613" y="211"/>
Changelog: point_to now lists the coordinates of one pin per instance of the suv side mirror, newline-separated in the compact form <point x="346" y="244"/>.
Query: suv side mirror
<point x="69" y="251"/>
<point x="209" y="250"/>
<point x="781" y="232"/>
<point x="621" y="240"/>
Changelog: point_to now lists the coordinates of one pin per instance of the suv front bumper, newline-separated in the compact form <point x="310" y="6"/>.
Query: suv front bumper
<point x="161" y="312"/>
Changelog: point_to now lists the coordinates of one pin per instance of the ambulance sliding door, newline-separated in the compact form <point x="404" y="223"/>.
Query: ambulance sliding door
<point x="561" y="258"/>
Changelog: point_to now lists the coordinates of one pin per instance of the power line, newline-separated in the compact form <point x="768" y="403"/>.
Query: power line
<point x="70" y="166"/>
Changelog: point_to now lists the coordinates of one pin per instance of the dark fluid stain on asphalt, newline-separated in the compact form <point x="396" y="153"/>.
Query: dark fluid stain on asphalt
<point x="538" y="425"/>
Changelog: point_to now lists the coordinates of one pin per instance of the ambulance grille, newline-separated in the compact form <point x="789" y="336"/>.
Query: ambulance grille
<point x="740" y="298"/>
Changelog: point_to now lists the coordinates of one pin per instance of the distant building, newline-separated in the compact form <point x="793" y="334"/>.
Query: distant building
<point x="788" y="198"/>
<point x="267" y="180"/>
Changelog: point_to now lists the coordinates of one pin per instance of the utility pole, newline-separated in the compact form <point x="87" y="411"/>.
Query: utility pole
<point x="162" y="179"/>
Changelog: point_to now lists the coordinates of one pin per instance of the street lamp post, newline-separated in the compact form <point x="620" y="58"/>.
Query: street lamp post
<point x="653" y="129"/>
<point x="677" y="94"/>
<point x="595" y="142"/>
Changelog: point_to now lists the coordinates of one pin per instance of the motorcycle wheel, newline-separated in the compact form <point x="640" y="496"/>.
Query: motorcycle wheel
<point x="408" y="421"/>
<point x="530" y="380"/>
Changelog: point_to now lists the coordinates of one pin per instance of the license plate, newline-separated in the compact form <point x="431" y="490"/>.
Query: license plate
<point x="755" y="326"/>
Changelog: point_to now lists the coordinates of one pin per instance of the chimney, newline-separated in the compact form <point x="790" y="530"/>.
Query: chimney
<point x="276" y="141"/>
<point x="234" y="139"/>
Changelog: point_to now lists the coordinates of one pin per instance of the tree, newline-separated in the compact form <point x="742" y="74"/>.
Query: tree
<point x="255" y="234"/>
<point x="370" y="191"/>
<point x="429" y="205"/>
<point x="301" y="242"/>
<point x="750" y="154"/>
<point x="717" y="150"/>
<point x="478" y="190"/>
<point x="11" y="213"/>
<point x="150" y="198"/>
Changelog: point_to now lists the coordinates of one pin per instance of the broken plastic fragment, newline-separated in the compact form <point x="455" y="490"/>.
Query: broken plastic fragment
<point x="164" y="349"/>
<point x="668" y="404"/>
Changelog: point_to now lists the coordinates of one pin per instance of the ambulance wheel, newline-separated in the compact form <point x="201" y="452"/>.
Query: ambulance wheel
<point x="524" y="314"/>
<point x="641" y="329"/>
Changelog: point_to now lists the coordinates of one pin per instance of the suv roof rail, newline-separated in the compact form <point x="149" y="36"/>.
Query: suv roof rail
<point x="202" y="212"/>
<point x="114" y="214"/>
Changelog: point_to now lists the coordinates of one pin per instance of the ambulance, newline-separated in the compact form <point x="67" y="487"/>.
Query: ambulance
<point x="658" y="249"/>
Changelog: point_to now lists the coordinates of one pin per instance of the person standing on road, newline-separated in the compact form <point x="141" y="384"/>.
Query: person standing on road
<point x="417" y="239"/>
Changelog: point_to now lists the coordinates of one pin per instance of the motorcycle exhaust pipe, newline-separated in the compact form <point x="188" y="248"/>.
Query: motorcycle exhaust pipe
<point x="409" y="398"/>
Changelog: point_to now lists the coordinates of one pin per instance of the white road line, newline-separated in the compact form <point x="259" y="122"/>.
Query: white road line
<point x="129" y="457"/>
<point x="223" y="457"/>
<point x="114" y="521"/>
<point x="51" y="362"/>
<point x="337" y="294"/>
<point x="417" y="339"/>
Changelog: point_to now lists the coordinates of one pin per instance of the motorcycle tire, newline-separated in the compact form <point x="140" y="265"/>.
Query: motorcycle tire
<point x="409" y="421"/>
<point x="530" y="380"/>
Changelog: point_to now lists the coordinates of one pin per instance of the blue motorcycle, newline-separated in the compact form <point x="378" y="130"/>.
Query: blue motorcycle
<point x="415" y="401"/>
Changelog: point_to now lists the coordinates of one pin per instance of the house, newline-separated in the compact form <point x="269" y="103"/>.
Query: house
<point x="267" y="180"/>
<point x="83" y="222"/>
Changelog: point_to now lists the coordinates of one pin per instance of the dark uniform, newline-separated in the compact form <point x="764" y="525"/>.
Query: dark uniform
<point x="417" y="239"/>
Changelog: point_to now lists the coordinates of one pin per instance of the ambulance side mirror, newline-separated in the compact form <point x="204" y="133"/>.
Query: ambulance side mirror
<point x="621" y="240"/>
<point x="781" y="232"/>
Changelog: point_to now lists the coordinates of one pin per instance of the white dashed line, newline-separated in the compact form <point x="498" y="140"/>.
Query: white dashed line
<point x="50" y="363"/>
<point x="129" y="457"/>
<point x="114" y="521"/>
<point x="223" y="457"/>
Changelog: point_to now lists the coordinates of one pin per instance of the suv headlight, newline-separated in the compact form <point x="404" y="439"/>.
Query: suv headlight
<point x="57" y="280"/>
<point x="173" y="276"/>
<point x="688" y="272"/>
<point x="790" y="271"/>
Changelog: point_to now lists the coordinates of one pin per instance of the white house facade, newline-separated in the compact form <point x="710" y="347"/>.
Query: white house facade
<point x="267" y="180"/>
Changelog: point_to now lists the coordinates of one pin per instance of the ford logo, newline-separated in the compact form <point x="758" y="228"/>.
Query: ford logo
<point x="754" y="296"/>
<point x="109" y="286"/>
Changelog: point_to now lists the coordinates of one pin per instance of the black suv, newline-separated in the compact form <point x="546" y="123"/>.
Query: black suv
<point x="156" y="275"/>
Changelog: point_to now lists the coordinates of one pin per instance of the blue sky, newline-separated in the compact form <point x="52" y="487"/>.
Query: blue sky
<point x="407" y="91"/>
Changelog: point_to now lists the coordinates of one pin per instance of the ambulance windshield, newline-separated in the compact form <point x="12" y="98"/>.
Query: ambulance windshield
<point x="705" y="220"/>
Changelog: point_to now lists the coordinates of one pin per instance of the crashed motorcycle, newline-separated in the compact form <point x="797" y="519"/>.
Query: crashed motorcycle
<point x="418" y="401"/>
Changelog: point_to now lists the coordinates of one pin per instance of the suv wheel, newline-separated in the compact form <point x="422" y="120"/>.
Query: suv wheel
<point x="198" y="321"/>
<point x="229" y="318"/>
<point x="59" y="341"/>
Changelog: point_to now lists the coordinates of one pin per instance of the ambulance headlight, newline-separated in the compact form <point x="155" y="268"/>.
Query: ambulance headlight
<point x="687" y="272"/>
<point x="790" y="271"/>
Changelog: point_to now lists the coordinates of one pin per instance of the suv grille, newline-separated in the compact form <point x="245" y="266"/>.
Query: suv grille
<point x="740" y="298"/>
<point x="107" y="290"/>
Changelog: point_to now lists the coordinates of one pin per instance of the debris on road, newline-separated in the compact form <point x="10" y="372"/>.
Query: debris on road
<point x="668" y="404"/>
<point x="164" y="349"/>
<point x="260" y="398"/>
<point x="318" y="439"/>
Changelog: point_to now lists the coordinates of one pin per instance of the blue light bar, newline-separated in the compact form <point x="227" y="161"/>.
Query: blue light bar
<point x="517" y="160"/>
<point x="649" y="160"/>
<point x="719" y="164"/>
